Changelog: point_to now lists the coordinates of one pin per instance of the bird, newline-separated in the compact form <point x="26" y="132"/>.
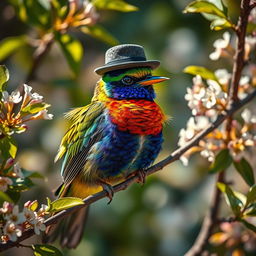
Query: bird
<point x="117" y="135"/>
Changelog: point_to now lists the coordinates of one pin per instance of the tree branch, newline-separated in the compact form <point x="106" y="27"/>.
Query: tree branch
<point x="209" y="222"/>
<point x="122" y="186"/>
<point x="234" y="105"/>
<point x="239" y="55"/>
<point x="211" y="219"/>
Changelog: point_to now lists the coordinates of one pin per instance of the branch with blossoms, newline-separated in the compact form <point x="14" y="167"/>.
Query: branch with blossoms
<point x="233" y="143"/>
<point x="55" y="24"/>
<point x="65" y="208"/>
<point x="224" y="139"/>
<point x="16" y="110"/>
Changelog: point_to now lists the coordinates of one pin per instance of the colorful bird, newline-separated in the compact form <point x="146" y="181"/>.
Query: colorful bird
<point x="117" y="134"/>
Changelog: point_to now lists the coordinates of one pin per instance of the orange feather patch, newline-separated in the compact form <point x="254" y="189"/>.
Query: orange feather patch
<point x="141" y="117"/>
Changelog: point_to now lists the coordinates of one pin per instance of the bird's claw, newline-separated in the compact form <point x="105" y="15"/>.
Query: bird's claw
<point x="108" y="189"/>
<point x="141" y="174"/>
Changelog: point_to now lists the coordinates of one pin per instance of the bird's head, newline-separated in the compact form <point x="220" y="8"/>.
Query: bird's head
<point x="132" y="83"/>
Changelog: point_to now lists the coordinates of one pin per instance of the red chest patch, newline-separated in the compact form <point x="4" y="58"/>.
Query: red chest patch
<point x="136" y="116"/>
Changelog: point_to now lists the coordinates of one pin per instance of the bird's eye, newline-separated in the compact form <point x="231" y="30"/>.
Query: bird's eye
<point x="127" y="80"/>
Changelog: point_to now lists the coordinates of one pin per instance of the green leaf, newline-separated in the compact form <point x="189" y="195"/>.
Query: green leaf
<point x="8" y="147"/>
<point x="204" y="7"/>
<point x="72" y="49"/>
<point x="4" y="77"/>
<point x="251" y="211"/>
<point x="251" y="195"/>
<point x="45" y="250"/>
<point x="10" y="44"/>
<point x="20" y="185"/>
<point x="36" y="175"/>
<point x="14" y="195"/>
<point x="48" y="203"/>
<point x="251" y="27"/>
<point x="245" y="170"/>
<point x="219" y="24"/>
<point x="217" y="3"/>
<point x="222" y="161"/>
<point x="241" y="197"/>
<point x="234" y="202"/>
<point x="117" y="5"/>
<point x="34" y="108"/>
<point x="100" y="33"/>
<point x="4" y="197"/>
<point x="249" y="225"/>
<point x="61" y="7"/>
<point x="201" y="71"/>
<point x="37" y="12"/>
<point x="64" y="203"/>
<point x="29" y="174"/>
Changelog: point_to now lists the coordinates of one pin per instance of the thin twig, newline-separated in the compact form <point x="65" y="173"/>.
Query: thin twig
<point x="239" y="55"/>
<point x="39" y="54"/>
<point x="209" y="222"/>
<point x="157" y="167"/>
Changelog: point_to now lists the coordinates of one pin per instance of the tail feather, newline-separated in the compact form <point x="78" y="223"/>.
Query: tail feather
<point x="73" y="232"/>
<point x="69" y="230"/>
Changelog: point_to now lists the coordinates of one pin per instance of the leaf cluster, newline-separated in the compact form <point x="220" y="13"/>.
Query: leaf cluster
<point x="54" y="20"/>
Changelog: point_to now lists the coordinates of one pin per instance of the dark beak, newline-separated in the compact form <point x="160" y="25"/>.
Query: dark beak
<point x="153" y="80"/>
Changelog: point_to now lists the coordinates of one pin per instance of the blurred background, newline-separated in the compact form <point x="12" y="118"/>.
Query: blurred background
<point x="163" y="216"/>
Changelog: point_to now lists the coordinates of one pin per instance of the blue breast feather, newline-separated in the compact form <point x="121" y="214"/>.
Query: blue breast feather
<point x="121" y="152"/>
<point x="112" y="153"/>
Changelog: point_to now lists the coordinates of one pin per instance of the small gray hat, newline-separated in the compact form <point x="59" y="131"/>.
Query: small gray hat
<point x="125" y="56"/>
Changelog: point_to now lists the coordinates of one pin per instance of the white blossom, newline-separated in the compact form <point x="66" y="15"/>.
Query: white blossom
<point x="207" y="153"/>
<point x="6" y="208"/>
<point x="12" y="231"/>
<point x="223" y="76"/>
<point x="184" y="160"/>
<point x="206" y="100"/>
<point x="251" y="41"/>
<point x="194" y="125"/>
<point x="194" y="99"/>
<point x="17" y="170"/>
<point x="43" y="209"/>
<point x="15" y="216"/>
<point x="31" y="96"/>
<point x="15" y="97"/>
<point x="27" y="89"/>
<point x="213" y="93"/>
<point x="220" y="46"/>
<point x="43" y="114"/>
<point x="244" y="80"/>
<point x="4" y="183"/>
<point x="248" y="117"/>
<point x="252" y="16"/>
<point x="30" y="215"/>
<point x="236" y="149"/>
<point x="39" y="225"/>
<point x="197" y="81"/>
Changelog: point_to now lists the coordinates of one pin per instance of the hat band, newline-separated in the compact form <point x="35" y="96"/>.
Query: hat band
<point x="120" y="61"/>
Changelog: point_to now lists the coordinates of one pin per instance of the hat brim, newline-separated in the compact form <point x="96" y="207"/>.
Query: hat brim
<point x="129" y="64"/>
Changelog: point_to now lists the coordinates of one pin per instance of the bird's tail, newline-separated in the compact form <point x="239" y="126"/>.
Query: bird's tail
<point x="70" y="230"/>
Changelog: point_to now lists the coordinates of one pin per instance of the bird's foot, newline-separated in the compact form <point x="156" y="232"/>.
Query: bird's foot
<point x="108" y="189"/>
<point x="141" y="174"/>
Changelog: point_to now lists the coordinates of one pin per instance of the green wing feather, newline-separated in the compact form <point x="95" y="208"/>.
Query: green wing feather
<point x="82" y="119"/>
<point x="79" y="138"/>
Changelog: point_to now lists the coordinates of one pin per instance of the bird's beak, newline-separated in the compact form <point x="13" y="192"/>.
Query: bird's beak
<point x="153" y="80"/>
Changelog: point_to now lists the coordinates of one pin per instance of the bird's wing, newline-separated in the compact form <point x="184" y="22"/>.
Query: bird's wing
<point x="84" y="132"/>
